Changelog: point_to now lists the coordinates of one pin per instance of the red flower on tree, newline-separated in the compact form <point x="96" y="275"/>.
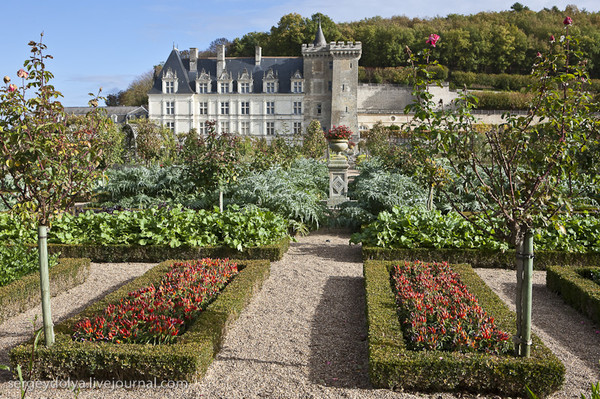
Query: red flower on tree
<point x="568" y="21"/>
<point x="433" y="39"/>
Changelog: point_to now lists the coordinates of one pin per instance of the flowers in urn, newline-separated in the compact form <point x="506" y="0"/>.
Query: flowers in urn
<point x="338" y="133"/>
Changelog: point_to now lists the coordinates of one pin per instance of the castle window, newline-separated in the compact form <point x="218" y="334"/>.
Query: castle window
<point x="245" y="87"/>
<point x="245" y="128"/>
<point x="245" y="108"/>
<point x="202" y="128"/>
<point x="270" y="107"/>
<point x="170" y="107"/>
<point x="297" y="87"/>
<point x="170" y="87"/>
<point x="270" y="87"/>
<point x="225" y="127"/>
<point x="270" y="128"/>
<point x="225" y="108"/>
<point x="224" y="87"/>
<point x="203" y="87"/>
<point x="329" y="85"/>
<point x="170" y="126"/>
<point x="319" y="108"/>
<point x="297" y="107"/>
<point x="330" y="64"/>
<point x="203" y="110"/>
<point x="297" y="127"/>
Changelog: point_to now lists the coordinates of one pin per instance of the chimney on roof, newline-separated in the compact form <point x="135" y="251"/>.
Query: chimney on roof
<point x="193" y="58"/>
<point x="220" y="59"/>
<point x="257" y="55"/>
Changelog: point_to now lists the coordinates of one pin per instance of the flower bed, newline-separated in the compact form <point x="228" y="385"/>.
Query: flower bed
<point x="157" y="315"/>
<point x="393" y="365"/>
<point x="185" y="359"/>
<point x="437" y="311"/>
<point x="577" y="288"/>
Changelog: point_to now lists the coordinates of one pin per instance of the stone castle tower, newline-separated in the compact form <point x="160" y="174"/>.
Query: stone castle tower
<point x="331" y="76"/>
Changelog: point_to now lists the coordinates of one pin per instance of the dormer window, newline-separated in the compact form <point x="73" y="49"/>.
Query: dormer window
<point x="225" y="82"/>
<point x="244" y="82"/>
<point x="202" y="87"/>
<point x="297" y="82"/>
<point x="224" y="87"/>
<point x="270" y="82"/>
<point x="297" y="87"/>
<point x="203" y="82"/>
<point x="169" y="82"/>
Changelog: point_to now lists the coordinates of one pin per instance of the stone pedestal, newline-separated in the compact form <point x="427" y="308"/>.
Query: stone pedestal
<point x="338" y="180"/>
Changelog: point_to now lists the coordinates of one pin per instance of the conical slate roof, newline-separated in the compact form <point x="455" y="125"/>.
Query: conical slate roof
<point x="320" y="37"/>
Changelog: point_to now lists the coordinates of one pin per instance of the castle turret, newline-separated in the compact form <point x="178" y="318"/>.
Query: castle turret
<point x="320" y="37"/>
<point x="331" y="73"/>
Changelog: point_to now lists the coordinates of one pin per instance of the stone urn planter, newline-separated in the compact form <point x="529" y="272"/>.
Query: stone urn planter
<point x="338" y="146"/>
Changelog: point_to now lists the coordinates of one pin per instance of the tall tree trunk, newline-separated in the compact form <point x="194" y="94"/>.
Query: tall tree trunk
<point x="45" y="285"/>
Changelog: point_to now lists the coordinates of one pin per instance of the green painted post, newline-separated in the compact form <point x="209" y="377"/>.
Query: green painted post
<point x="527" y="294"/>
<point x="45" y="285"/>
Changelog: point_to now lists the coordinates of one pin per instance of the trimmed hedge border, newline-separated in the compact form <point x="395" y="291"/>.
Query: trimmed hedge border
<point x="158" y="253"/>
<point x="393" y="366"/>
<point x="581" y="293"/>
<point x="24" y="293"/>
<point x="187" y="359"/>
<point x="485" y="258"/>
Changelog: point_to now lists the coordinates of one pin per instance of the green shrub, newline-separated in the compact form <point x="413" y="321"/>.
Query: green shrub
<point x="488" y="100"/>
<point x="392" y="365"/>
<point x="490" y="258"/>
<point x="503" y="81"/>
<point x="295" y="193"/>
<point x="419" y="228"/>
<point x="24" y="293"/>
<point x="577" y="288"/>
<point x="173" y="227"/>
<point x="187" y="359"/>
<point x="142" y="187"/>
<point x="18" y="260"/>
<point x="158" y="253"/>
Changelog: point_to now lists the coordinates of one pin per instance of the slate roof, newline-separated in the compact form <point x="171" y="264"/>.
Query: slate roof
<point x="121" y="112"/>
<point x="283" y="69"/>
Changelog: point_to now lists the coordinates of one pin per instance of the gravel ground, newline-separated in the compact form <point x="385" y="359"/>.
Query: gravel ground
<point x="304" y="335"/>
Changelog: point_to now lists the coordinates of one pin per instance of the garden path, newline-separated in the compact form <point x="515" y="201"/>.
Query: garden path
<point x="304" y="334"/>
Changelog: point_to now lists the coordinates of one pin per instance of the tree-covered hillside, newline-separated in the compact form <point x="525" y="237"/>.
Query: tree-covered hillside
<point x="491" y="42"/>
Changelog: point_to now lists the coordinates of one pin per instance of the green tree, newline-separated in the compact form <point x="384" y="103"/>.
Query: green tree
<point x="519" y="170"/>
<point x="314" y="143"/>
<point x="45" y="164"/>
<point x="212" y="161"/>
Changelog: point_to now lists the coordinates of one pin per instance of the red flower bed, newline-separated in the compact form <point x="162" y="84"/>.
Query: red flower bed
<point x="157" y="315"/>
<point x="437" y="311"/>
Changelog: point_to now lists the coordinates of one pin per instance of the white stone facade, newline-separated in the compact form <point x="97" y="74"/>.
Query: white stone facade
<point x="260" y="96"/>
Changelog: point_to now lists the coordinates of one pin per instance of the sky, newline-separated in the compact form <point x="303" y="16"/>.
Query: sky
<point x="108" y="44"/>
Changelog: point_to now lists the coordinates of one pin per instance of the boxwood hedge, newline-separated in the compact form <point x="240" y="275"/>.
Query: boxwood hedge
<point x="581" y="293"/>
<point x="392" y="365"/>
<point x="24" y="293"/>
<point x="491" y="258"/>
<point x="187" y="359"/>
<point x="158" y="253"/>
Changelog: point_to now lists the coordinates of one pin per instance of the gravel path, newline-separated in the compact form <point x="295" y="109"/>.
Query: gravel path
<point x="304" y="335"/>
